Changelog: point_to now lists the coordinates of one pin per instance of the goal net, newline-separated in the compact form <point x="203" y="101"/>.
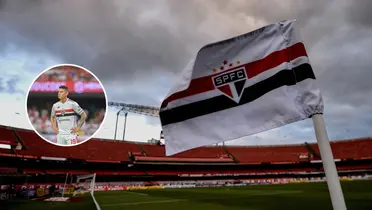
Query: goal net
<point x="85" y="184"/>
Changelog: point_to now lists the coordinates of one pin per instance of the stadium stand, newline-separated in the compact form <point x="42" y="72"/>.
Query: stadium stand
<point x="122" y="160"/>
<point x="156" y="153"/>
<point x="354" y="149"/>
<point x="268" y="154"/>
<point x="91" y="151"/>
<point x="7" y="137"/>
<point x="74" y="172"/>
<point x="202" y="152"/>
<point x="36" y="169"/>
<point x="121" y="151"/>
<point x="8" y="170"/>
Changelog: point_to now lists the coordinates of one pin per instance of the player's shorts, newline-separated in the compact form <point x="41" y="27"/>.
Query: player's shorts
<point x="66" y="139"/>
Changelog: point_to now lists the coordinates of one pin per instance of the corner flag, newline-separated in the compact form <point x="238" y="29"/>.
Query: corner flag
<point x="241" y="86"/>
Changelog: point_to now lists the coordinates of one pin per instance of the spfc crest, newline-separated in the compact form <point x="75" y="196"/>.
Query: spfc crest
<point x="63" y="112"/>
<point x="231" y="82"/>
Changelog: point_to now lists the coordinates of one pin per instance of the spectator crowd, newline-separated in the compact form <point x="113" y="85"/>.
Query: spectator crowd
<point x="66" y="73"/>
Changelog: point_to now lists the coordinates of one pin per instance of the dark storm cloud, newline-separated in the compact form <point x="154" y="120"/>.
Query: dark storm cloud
<point x="95" y="34"/>
<point x="116" y="37"/>
<point x="360" y="12"/>
<point x="130" y="44"/>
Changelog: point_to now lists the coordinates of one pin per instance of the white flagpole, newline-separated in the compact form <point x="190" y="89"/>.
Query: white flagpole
<point x="334" y="186"/>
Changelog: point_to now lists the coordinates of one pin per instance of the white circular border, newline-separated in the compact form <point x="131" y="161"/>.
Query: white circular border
<point x="77" y="66"/>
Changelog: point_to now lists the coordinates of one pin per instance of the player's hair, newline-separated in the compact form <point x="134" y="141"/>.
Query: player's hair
<point x="63" y="87"/>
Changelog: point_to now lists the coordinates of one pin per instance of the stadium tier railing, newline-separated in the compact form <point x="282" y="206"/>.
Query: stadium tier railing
<point x="184" y="159"/>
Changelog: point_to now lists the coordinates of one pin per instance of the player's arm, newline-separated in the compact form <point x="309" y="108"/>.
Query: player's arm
<point x="53" y="119"/>
<point x="83" y="116"/>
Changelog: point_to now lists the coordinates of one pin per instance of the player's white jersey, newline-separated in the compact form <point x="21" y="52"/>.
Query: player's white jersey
<point x="66" y="115"/>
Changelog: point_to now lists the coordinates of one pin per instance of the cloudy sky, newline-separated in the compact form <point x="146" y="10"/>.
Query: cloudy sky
<point x="137" y="49"/>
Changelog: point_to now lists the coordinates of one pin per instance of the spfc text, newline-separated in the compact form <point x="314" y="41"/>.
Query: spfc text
<point x="229" y="77"/>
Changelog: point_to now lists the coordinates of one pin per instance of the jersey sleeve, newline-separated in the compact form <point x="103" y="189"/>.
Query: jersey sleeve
<point x="77" y="108"/>
<point x="53" y="111"/>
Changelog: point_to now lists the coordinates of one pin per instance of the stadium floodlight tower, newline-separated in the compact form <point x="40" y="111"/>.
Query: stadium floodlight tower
<point x="133" y="108"/>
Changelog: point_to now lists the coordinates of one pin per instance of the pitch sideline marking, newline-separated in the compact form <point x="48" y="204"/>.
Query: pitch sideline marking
<point x="146" y="202"/>
<point x="136" y="193"/>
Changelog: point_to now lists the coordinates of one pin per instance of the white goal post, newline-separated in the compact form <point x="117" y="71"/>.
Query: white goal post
<point x="85" y="183"/>
<point x="87" y="186"/>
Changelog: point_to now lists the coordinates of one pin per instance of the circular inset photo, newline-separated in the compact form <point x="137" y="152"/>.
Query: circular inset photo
<point x="66" y="105"/>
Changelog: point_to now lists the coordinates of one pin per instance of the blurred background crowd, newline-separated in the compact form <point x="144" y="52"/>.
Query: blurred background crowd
<point x="66" y="73"/>
<point x="40" y="118"/>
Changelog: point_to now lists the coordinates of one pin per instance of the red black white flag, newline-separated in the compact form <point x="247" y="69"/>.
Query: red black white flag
<point x="241" y="86"/>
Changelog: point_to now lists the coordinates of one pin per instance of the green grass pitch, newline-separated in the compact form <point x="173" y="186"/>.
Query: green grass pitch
<point x="304" y="196"/>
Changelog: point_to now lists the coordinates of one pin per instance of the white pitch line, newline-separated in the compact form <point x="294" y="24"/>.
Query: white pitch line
<point x="278" y="193"/>
<point x="136" y="193"/>
<point x="146" y="202"/>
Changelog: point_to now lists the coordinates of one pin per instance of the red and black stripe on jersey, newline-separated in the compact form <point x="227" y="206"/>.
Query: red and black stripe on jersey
<point x="65" y="113"/>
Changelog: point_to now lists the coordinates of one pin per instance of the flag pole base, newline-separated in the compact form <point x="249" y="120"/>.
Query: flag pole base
<point x="333" y="181"/>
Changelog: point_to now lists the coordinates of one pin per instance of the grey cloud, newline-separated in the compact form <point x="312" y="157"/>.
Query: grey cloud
<point x="113" y="39"/>
<point x="146" y="91"/>
<point x="347" y="67"/>
<point x="360" y="12"/>
<point x="109" y="43"/>
<point x="2" y="87"/>
<point x="9" y="85"/>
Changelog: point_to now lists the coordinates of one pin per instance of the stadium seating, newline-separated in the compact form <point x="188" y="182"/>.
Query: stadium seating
<point x="74" y="172"/>
<point x="118" y="150"/>
<point x="275" y="171"/>
<point x="360" y="167"/>
<point x="154" y="150"/>
<point x="350" y="149"/>
<point x="8" y="170"/>
<point x="302" y="170"/>
<point x="93" y="150"/>
<point x="156" y="153"/>
<point x="5" y="151"/>
<point x="7" y="136"/>
<point x="118" y="172"/>
<point x="109" y="151"/>
<point x="246" y="171"/>
<point x="201" y="152"/>
<point x="32" y="171"/>
<point x="268" y="154"/>
<point x="354" y="149"/>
